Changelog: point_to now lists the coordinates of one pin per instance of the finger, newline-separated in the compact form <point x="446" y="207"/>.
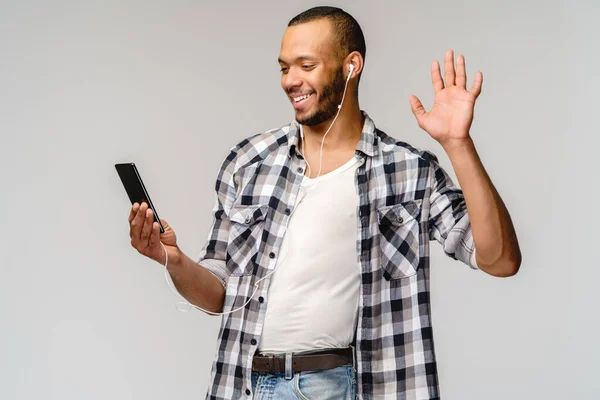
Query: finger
<point x="436" y="77"/>
<point x="155" y="235"/>
<point x="449" y="74"/>
<point x="164" y="224"/>
<point x="135" y="226"/>
<point x="146" y="229"/>
<point x="461" y="72"/>
<point x="476" y="88"/>
<point x="417" y="108"/>
<point x="133" y="211"/>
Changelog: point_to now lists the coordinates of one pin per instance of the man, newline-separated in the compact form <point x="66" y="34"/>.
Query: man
<point x="318" y="257"/>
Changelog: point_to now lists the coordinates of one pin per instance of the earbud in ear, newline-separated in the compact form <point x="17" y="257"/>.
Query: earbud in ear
<point x="344" y="95"/>
<point x="349" y="73"/>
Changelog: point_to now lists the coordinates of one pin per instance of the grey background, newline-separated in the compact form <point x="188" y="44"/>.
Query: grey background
<point x="173" y="85"/>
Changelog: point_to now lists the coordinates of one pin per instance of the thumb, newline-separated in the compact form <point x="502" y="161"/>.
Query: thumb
<point x="417" y="108"/>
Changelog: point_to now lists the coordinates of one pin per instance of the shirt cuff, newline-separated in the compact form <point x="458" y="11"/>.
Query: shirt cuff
<point x="473" y="260"/>
<point x="460" y="242"/>
<point x="217" y="268"/>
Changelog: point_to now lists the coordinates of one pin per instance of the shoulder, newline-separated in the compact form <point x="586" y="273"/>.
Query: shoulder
<point x="395" y="149"/>
<point x="257" y="147"/>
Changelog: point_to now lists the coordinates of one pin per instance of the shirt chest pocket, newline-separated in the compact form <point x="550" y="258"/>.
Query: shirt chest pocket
<point x="245" y="235"/>
<point x="399" y="234"/>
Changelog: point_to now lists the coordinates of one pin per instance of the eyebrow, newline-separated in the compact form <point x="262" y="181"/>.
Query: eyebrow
<point x="299" y="58"/>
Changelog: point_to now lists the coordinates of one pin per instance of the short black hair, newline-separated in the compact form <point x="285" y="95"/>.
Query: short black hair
<point x="348" y="32"/>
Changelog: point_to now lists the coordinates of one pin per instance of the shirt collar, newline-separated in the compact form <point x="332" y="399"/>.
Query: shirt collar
<point x="367" y="143"/>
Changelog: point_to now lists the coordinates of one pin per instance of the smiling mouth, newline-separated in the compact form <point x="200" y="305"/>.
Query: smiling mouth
<point x="300" y="98"/>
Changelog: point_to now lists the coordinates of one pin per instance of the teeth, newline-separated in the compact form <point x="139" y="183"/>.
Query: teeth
<point x="297" y="99"/>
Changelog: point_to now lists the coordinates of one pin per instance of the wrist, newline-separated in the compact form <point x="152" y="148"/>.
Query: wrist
<point x="173" y="256"/>
<point x="452" y="146"/>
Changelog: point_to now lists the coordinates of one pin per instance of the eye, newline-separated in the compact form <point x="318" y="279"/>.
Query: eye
<point x="284" y="69"/>
<point x="308" y="66"/>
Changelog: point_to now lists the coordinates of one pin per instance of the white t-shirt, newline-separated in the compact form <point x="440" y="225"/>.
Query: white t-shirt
<point x="314" y="291"/>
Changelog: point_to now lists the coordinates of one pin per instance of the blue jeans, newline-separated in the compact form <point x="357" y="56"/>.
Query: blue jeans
<point x="336" y="384"/>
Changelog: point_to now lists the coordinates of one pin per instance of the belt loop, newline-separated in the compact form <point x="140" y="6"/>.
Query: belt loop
<point x="288" y="366"/>
<point x="353" y="357"/>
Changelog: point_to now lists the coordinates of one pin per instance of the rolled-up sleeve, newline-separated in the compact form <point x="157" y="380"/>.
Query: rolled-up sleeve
<point x="213" y="255"/>
<point x="449" y="222"/>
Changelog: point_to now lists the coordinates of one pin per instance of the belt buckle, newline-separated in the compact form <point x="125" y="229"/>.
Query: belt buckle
<point x="289" y="373"/>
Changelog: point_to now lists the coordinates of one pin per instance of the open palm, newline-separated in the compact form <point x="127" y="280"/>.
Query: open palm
<point x="452" y="112"/>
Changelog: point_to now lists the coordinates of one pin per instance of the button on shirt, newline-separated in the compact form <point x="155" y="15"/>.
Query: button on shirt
<point x="404" y="200"/>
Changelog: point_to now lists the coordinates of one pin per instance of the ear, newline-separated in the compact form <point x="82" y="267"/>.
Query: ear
<point x="357" y="61"/>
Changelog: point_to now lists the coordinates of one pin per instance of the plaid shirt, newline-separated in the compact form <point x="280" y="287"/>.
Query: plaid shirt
<point x="404" y="200"/>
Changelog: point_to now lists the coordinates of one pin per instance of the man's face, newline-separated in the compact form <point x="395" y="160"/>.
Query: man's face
<point x="311" y="73"/>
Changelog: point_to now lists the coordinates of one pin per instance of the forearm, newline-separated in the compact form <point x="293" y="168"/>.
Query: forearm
<point x="196" y="284"/>
<point x="496" y="244"/>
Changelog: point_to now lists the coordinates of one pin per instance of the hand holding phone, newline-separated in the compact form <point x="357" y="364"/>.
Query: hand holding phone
<point x="146" y="230"/>
<point x="135" y="188"/>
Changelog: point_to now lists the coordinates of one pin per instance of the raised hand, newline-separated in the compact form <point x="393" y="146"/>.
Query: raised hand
<point x="452" y="113"/>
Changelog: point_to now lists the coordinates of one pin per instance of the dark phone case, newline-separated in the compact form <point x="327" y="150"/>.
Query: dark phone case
<point x="134" y="186"/>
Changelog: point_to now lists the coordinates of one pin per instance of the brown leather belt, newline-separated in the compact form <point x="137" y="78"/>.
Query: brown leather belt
<point x="316" y="360"/>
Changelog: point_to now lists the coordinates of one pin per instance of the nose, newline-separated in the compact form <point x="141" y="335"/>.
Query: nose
<point x="291" y="80"/>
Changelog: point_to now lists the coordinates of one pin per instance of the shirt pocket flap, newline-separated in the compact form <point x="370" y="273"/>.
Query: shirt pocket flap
<point x="248" y="215"/>
<point x="399" y="214"/>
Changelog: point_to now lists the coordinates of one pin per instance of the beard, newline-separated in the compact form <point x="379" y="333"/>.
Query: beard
<point x="327" y="104"/>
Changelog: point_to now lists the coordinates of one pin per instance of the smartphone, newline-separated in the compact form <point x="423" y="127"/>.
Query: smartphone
<point x="134" y="186"/>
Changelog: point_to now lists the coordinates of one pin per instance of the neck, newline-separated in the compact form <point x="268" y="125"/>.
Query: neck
<point x="345" y="132"/>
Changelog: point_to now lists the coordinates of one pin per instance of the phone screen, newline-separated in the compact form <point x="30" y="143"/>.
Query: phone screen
<point x="134" y="186"/>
